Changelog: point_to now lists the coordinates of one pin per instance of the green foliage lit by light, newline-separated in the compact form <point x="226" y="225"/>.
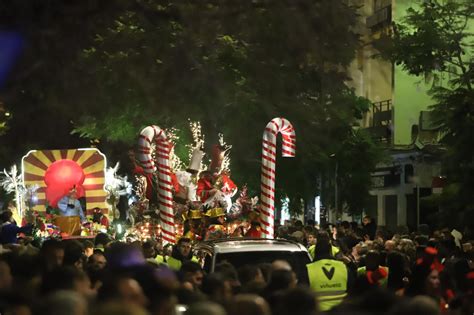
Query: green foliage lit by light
<point x="436" y="41"/>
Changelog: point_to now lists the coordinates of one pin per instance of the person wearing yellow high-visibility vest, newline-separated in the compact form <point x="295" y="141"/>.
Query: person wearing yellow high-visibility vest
<point x="166" y="252"/>
<point x="312" y="240"/>
<point x="327" y="277"/>
<point x="180" y="253"/>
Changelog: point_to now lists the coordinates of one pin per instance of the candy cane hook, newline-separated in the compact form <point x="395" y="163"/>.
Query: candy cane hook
<point x="267" y="197"/>
<point x="147" y="136"/>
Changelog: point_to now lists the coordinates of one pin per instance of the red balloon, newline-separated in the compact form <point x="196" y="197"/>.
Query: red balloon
<point x="60" y="177"/>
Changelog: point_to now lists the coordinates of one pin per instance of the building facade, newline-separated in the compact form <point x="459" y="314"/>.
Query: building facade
<point x="399" y="118"/>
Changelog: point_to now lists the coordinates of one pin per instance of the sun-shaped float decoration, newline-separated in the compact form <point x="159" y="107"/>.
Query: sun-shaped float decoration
<point x="55" y="172"/>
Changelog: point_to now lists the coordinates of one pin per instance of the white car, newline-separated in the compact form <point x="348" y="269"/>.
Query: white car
<point x="242" y="251"/>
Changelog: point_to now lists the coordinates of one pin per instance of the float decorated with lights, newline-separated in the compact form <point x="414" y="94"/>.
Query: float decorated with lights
<point x="60" y="191"/>
<point x="72" y="192"/>
<point x="196" y="201"/>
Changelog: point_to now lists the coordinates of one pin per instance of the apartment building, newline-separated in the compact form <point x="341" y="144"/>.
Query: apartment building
<point x="399" y="118"/>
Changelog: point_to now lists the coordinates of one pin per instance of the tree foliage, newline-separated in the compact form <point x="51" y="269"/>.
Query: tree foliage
<point x="233" y="65"/>
<point x="436" y="41"/>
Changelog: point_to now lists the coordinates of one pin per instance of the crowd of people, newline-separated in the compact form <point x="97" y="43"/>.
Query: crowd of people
<point x="355" y="269"/>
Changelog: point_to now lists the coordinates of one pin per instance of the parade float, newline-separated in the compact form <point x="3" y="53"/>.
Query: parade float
<point x="196" y="202"/>
<point x="167" y="200"/>
<point x="43" y="191"/>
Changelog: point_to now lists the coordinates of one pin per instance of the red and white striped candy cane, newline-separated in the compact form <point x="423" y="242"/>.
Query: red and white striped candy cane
<point x="267" y="197"/>
<point x="147" y="136"/>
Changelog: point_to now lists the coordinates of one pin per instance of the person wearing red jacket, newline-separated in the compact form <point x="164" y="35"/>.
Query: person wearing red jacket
<point x="209" y="184"/>
<point x="228" y="186"/>
<point x="255" y="230"/>
<point x="205" y="186"/>
<point x="99" y="217"/>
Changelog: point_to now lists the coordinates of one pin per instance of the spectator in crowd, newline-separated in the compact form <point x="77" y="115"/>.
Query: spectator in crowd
<point x="97" y="261"/>
<point x="399" y="272"/>
<point x="426" y="278"/>
<point x="192" y="274"/>
<point x="64" y="302"/>
<point x="206" y="308"/>
<point x="251" y="279"/>
<point x="67" y="278"/>
<point x="369" y="227"/>
<point x="9" y="230"/>
<point x="88" y="248"/>
<point x="74" y="254"/>
<point x="217" y="288"/>
<point x="249" y="304"/>
<point x="101" y="241"/>
<point x="124" y="289"/>
<point x="6" y="278"/>
<point x="297" y="301"/>
<point x="427" y="274"/>
<point x="181" y="253"/>
<point x="52" y="254"/>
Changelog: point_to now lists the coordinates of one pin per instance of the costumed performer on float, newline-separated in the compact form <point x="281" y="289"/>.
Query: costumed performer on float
<point x="186" y="180"/>
<point x="99" y="217"/>
<point x="215" y="184"/>
<point x="70" y="205"/>
<point x="192" y="224"/>
<point x="255" y="230"/>
<point x="216" y="222"/>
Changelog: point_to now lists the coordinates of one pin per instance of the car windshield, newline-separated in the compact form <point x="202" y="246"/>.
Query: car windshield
<point x="297" y="260"/>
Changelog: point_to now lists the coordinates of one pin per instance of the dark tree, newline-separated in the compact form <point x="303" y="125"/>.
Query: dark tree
<point x="108" y="69"/>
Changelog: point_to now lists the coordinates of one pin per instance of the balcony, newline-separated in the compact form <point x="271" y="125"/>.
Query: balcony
<point x="381" y="121"/>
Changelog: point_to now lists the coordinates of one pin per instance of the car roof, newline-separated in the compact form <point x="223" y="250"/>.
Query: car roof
<point x="251" y="245"/>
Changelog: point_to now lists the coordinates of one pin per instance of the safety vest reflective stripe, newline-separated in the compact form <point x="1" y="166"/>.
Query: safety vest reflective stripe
<point x="328" y="278"/>
<point x="332" y="293"/>
<point x="334" y="298"/>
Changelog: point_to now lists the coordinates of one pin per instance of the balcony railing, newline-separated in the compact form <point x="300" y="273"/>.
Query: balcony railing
<point x="382" y="106"/>
<point x="381" y="121"/>
<point x="381" y="113"/>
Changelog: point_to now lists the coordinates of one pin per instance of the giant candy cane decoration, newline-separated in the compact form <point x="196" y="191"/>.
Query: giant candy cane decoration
<point x="147" y="136"/>
<point x="275" y="126"/>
